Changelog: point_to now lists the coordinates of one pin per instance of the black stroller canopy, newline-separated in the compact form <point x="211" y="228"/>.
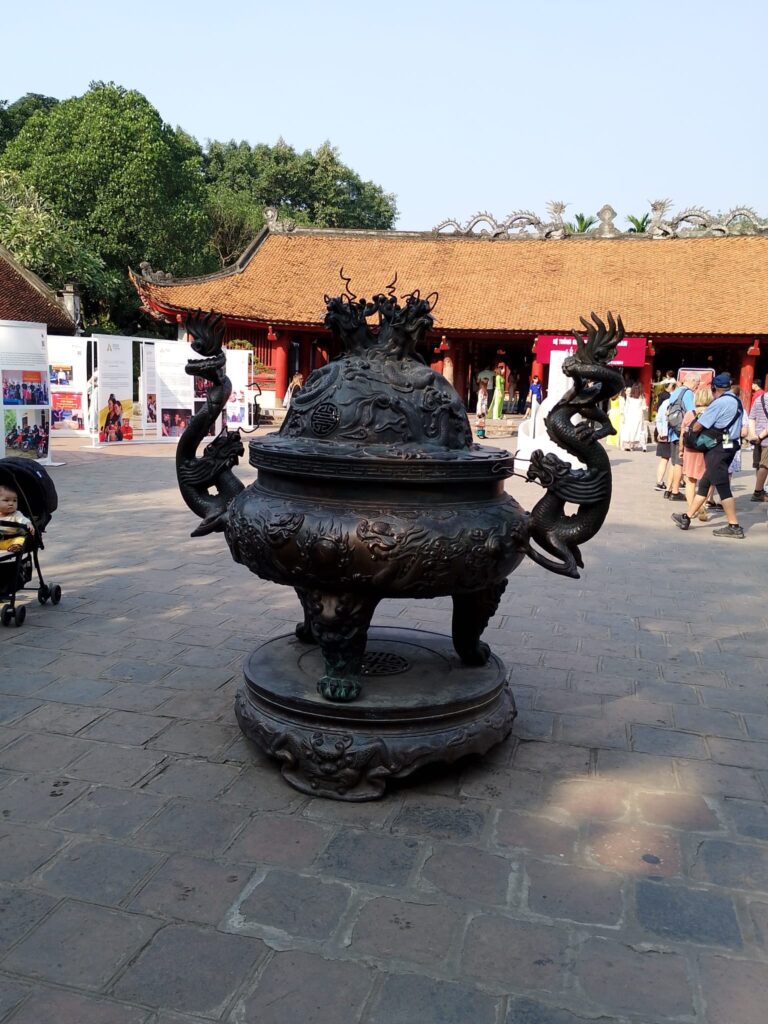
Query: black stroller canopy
<point x="37" y="495"/>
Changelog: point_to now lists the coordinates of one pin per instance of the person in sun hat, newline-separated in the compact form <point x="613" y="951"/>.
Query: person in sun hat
<point x="721" y="424"/>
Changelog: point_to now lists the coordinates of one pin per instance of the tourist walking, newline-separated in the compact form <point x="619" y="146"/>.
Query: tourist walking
<point x="758" y="430"/>
<point x="535" y="393"/>
<point x="615" y="407"/>
<point x="693" y="458"/>
<point x="297" y="382"/>
<point x="482" y="406"/>
<point x="662" y="439"/>
<point x="681" y="401"/>
<point x="497" y="399"/>
<point x="720" y="428"/>
<point x="634" y="433"/>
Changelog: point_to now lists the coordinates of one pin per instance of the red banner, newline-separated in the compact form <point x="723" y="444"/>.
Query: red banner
<point x="66" y="400"/>
<point x="630" y="351"/>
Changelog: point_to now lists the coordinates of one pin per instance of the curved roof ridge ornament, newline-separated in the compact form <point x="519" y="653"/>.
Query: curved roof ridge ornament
<point x="691" y="222"/>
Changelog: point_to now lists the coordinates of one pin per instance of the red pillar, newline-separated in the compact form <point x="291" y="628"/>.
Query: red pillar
<point x="747" y="373"/>
<point x="279" y="344"/>
<point x="537" y="367"/>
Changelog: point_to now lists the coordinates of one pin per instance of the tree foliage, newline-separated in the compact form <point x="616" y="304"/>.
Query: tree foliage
<point x="311" y="188"/>
<point x="45" y="243"/>
<point x="13" y="117"/>
<point x="98" y="183"/>
<point x="107" y="162"/>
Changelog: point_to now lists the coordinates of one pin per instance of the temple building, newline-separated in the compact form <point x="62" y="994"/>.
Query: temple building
<point x="694" y="300"/>
<point x="24" y="298"/>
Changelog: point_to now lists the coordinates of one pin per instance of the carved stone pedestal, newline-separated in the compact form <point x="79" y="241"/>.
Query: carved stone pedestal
<point x="419" y="705"/>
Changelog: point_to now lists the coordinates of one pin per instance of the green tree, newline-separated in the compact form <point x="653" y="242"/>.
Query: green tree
<point x="134" y="186"/>
<point x="639" y="225"/>
<point x="235" y="220"/>
<point x="45" y="243"/>
<point x="311" y="188"/>
<point x="13" y="117"/>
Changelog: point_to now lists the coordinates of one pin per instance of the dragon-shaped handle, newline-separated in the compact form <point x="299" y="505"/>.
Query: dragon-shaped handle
<point x="594" y="382"/>
<point x="198" y="475"/>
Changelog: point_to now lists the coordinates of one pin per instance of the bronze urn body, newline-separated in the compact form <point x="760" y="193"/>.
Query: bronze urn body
<point x="373" y="489"/>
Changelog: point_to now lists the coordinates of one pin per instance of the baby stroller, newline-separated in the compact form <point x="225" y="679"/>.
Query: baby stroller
<point x="37" y="501"/>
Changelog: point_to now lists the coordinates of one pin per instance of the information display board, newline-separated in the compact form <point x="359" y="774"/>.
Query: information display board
<point x="68" y="379"/>
<point x="26" y="399"/>
<point x="113" y="394"/>
<point x="175" y="387"/>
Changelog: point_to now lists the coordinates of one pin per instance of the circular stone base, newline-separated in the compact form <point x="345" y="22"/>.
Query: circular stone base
<point x="419" y="705"/>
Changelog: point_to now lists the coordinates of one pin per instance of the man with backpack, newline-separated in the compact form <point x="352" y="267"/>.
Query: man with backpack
<point x="758" y="429"/>
<point x="718" y="434"/>
<point x="680" y="402"/>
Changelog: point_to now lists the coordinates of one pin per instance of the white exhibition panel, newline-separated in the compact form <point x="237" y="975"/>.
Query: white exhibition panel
<point x="112" y="399"/>
<point x="68" y="373"/>
<point x="175" y="388"/>
<point x="25" y="393"/>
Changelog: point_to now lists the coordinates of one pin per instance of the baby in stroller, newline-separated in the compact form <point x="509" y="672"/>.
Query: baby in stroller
<point x="14" y="525"/>
<point x="27" y="502"/>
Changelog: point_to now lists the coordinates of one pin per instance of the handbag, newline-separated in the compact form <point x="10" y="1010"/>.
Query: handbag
<point x="699" y="442"/>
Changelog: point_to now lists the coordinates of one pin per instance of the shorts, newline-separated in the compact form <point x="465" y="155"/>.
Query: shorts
<point x="663" y="449"/>
<point x="674" y="453"/>
<point x="716" y="463"/>
<point x="760" y="457"/>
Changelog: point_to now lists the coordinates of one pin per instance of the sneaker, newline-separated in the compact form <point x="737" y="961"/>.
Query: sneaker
<point x="677" y="497"/>
<point x="729" y="531"/>
<point x="681" y="519"/>
<point x="660" y="487"/>
<point x="758" y="496"/>
<point x="713" y="504"/>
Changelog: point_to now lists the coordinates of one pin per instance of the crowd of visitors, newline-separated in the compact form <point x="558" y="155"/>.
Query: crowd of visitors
<point x="700" y="432"/>
<point x="501" y="391"/>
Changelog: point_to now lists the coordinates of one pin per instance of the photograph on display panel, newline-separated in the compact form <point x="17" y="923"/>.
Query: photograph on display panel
<point x="151" y="408"/>
<point x="115" y="420"/>
<point x="26" y="433"/>
<point x="175" y="421"/>
<point x="25" y="387"/>
<point x="67" y="410"/>
<point x="60" y="376"/>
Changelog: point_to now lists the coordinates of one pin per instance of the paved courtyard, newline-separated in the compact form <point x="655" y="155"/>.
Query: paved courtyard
<point x="609" y="863"/>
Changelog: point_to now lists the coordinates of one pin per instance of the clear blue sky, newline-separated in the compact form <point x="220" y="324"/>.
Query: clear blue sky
<point x="453" y="106"/>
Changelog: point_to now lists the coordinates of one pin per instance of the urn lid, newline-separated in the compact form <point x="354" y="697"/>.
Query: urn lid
<point x="378" y="411"/>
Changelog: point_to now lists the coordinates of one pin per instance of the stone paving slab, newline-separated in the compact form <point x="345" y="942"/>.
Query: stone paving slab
<point x="608" y="863"/>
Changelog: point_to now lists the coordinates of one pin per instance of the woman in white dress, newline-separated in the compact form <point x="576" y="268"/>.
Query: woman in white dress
<point x="634" y="432"/>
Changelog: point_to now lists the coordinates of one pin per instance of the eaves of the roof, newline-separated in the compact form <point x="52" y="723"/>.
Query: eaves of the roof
<point x="665" y="286"/>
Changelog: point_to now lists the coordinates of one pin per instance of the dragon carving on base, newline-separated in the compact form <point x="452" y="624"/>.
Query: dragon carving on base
<point x="198" y="474"/>
<point x="594" y="383"/>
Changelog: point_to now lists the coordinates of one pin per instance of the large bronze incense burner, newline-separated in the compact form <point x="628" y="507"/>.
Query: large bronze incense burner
<point x="373" y="489"/>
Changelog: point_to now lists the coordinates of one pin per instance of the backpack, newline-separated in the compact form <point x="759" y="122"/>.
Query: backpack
<point x="675" y="411"/>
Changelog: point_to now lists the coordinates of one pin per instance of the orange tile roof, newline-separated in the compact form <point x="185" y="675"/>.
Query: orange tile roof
<point x="23" y="296"/>
<point x="664" y="286"/>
